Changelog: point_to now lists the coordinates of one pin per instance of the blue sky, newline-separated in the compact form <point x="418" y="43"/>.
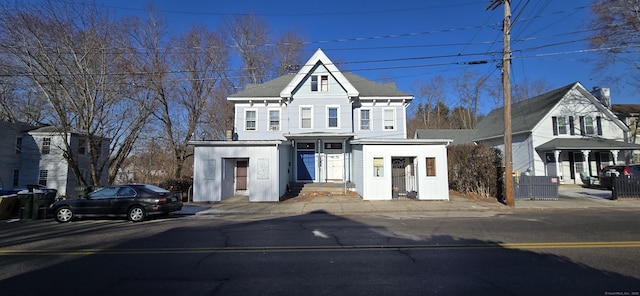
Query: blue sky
<point x="411" y="41"/>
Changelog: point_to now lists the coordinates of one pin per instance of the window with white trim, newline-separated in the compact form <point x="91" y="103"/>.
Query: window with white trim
<point x="306" y="117"/>
<point x="365" y="119"/>
<point x="332" y="117"/>
<point x="324" y="83"/>
<point x="46" y="145"/>
<point x="250" y="120"/>
<point x="274" y="120"/>
<point x="562" y="125"/>
<point x="42" y="178"/>
<point x="389" y="119"/>
<point x="589" y="129"/>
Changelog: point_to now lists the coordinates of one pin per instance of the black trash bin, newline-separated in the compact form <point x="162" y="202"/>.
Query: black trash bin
<point x="26" y="205"/>
<point x="42" y="201"/>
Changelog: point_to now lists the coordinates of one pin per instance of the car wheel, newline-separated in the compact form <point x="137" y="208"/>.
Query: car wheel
<point x="136" y="214"/>
<point x="64" y="214"/>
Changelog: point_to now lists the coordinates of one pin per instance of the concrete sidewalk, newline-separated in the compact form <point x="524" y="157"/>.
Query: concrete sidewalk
<point x="570" y="197"/>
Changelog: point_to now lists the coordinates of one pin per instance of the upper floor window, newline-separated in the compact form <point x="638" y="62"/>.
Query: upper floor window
<point x="324" y="83"/>
<point x="365" y="119"/>
<point x="18" y="145"/>
<point x="562" y="125"/>
<point x="42" y="177"/>
<point x="46" y="145"/>
<point x="82" y="146"/>
<point x="306" y="117"/>
<point x="250" y="120"/>
<point x="332" y="117"/>
<point x="388" y="118"/>
<point x="589" y="127"/>
<point x="274" y="120"/>
<point x="16" y="178"/>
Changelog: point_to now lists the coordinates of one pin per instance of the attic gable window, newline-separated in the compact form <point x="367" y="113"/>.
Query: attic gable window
<point x="589" y="127"/>
<point x="324" y="83"/>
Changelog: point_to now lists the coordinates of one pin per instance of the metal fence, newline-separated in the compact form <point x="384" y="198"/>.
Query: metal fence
<point x="625" y="187"/>
<point x="535" y="187"/>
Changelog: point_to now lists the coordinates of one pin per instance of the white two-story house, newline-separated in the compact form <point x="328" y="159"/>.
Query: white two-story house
<point x="33" y="155"/>
<point x="564" y="133"/>
<point x="317" y="126"/>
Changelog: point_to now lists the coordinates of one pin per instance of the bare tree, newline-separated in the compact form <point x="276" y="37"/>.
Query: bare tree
<point x="289" y="52"/>
<point x="469" y="88"/>
<point x="250" y="37"/>
<point x="70" y="55"/>
<point x="203" y="60"/>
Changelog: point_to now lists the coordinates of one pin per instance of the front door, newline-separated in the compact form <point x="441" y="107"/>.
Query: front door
<point x="306" y="165"/>
<point x="335" y="167"/>
<point x="241" y="174"/>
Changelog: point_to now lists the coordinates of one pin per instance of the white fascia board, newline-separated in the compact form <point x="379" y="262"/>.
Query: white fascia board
<point x="401" y="142"/>
<point x="223" y="143"/>
<point x="319" y="57"/>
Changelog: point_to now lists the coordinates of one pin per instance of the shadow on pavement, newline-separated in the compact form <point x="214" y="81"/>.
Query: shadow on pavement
<point x="311" y="254"/>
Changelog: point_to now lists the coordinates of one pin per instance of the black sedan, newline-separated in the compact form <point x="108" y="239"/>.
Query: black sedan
<point x="135" y="201"/>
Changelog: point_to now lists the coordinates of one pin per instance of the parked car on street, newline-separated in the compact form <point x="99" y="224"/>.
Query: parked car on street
<point x="619" y="171"/>
<point x="134" y="201"/>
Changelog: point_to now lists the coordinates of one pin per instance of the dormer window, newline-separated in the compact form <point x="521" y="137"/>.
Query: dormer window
<point x="324" y="83"/>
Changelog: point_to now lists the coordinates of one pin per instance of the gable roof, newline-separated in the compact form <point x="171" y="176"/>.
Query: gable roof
<point x="283" y="86"/>
<point x="318" y="58"/>
<point x="525" y="115"/>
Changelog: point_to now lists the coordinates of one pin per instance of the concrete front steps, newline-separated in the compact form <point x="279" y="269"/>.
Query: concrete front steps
<point x="305" y="189"/>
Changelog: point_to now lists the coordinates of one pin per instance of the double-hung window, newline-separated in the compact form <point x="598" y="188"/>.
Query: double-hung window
<point x="42" y="177"/>
<point x="365" y="119"/>
<point x="562" y="125"/>
<point x="306" y="117"/>
<point x="323" y="83"/>
<point x="389" y="119"/>
<point x="332" y="117"/>
<point x="274" y="120"/>
<point x="588" y="125"/>
<point x="46" y="145"/>
<point x="250" y="120"/>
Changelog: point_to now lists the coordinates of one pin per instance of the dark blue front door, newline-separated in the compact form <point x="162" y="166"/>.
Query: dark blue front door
<point x="306" y="165"/>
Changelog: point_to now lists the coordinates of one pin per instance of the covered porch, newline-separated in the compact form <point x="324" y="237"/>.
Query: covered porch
<point x="577" y="159"/>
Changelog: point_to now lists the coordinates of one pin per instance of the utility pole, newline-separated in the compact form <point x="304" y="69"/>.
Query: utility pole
<point x="506" y="86"/>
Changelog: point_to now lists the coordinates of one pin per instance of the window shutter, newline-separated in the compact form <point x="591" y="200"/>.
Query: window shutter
<point x="599" y="125"/>
<point x="572" y="127"/>
<point x="582" y="125"/>
<point x="555" y="125"/>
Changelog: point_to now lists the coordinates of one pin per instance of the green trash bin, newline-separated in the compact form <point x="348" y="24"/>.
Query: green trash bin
<point x="41" y="202"/>
<point x="26" y="205"/>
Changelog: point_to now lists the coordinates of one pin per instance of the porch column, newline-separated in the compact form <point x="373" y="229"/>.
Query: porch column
<point x="556" y="154"/>
<point x="585" y="162"/>
<point x="615" y="156"/>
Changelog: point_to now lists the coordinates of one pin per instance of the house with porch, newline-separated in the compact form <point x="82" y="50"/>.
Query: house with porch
<point x="320" y="126"/>
<point x="566" y="132"/>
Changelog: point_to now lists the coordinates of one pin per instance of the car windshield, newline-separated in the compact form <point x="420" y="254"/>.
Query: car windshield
<point x="155" y="188"/>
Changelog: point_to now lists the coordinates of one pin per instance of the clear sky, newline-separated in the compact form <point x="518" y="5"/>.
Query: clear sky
<point x="409" y="41"/>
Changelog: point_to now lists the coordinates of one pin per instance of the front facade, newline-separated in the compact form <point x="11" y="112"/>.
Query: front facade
<point x="566" y="132"/>
<point x="317" y="126"/>
<point x="34" y="156"/>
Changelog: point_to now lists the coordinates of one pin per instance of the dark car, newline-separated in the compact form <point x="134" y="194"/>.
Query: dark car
<point x="618" y="171"/>
<point x="134" y="201"/>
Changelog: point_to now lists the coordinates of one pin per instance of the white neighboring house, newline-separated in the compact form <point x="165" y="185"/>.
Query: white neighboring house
<point x="320" y="126"/>
<point x="562" y="133"/>
<point x="35" y="156"/>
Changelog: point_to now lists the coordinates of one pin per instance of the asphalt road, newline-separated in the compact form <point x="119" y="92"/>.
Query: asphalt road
<point x="568" y="252"/>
